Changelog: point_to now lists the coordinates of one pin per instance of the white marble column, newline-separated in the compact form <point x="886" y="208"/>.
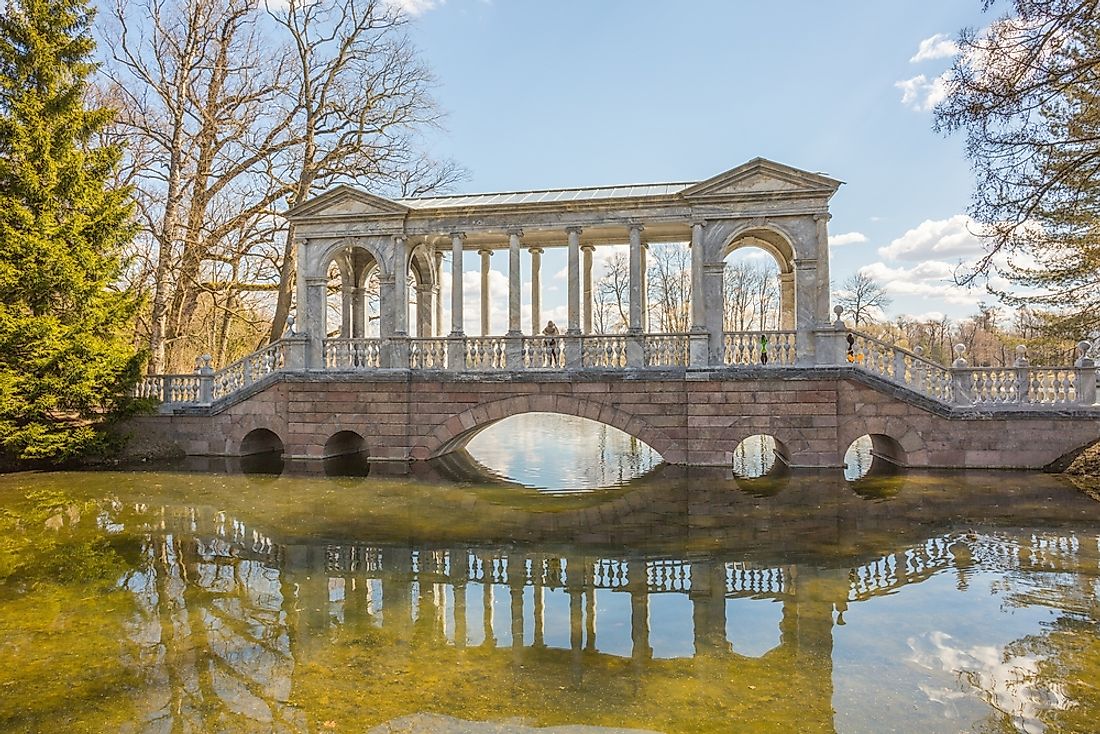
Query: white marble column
<point x="786" y="301"/>
<point x="586" y="311"/>
<point x="645" y="287"/>
<point x="424" y="294"/>
<point x="823" y="308"/>
<point x="485" y="253"/>
<point x="805" y="306"/>
<point x="358" y="311"/>
<point x="536" y="290"/>
<point x="311" y="312"/>
<point x="698" y="304"/>
<point x="515" y="239"/>
<point x="400" y="286"/>
<point x="437" y="294"/>
<point x="637" y="281"/>
<point x="457" y="238"/>
<point x="346" y="300"/>
<point x="574" y="280"/>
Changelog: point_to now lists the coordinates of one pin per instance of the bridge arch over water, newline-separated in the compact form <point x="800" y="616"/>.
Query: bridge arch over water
<point x="459" y="430"/>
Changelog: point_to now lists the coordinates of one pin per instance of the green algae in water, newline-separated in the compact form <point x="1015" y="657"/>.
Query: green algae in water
<point x="151" y="602"/>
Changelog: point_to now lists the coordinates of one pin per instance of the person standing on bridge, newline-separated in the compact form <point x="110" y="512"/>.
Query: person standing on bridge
<point x="763" y="349"/>
<point x="551" y="333"/>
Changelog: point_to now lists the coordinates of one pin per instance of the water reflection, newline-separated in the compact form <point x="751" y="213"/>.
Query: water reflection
<point x="675" y="605"/>
<point x="561" y="452"/>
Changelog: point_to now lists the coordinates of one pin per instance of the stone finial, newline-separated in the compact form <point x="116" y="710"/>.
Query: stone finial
<point x="290" y="325"/>
<point x="1021" y="356"/>
<point x="1083" y="359"/>
<point x="839" y="322"/>
<point x="918" y="350"/>
<point x="960" y="360"/>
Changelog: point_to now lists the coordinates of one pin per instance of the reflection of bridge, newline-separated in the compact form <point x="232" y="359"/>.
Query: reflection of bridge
<point x="412" y="393"/>
<point x="236" y="618"/>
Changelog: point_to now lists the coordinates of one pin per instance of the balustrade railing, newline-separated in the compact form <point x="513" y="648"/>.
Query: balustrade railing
<point x="171" y="389"/>
<point x="604" y="350"/>
<point x="1023" y="385"/>
<point x="352" y="354"/>
<point x="428" y="354"/>
<point x="541" y="352"/>
<point x="742" y="348"/>
<point x="486" y="353"/>
<point x="900" y="365"/>
<point x="247" y="370"/>
<point x="667" y="350"/>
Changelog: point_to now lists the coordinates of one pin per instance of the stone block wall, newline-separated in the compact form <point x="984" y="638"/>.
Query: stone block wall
<point x="696" y="419"/>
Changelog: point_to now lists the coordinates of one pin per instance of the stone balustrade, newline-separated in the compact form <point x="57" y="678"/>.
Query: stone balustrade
<point x="1020" y="386"/>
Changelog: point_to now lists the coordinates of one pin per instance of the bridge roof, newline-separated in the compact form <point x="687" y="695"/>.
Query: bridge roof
<point x="755" y="179"/>
<point x="542" y="196"/>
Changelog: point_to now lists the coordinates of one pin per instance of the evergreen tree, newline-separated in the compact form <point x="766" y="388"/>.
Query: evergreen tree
<point x="66" y="363"/>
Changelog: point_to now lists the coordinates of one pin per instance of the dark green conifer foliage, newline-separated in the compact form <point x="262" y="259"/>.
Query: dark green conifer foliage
<point x="66" y="362"/>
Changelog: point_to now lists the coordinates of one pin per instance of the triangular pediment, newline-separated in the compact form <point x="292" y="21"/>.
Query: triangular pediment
<point x="761" y="176"/>
<point x="345" y="201"/>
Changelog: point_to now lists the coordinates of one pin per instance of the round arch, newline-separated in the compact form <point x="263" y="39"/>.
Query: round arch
<point x="893" y="438"/>
<point x="330" y="253"/>
<point x="458" y="430"/>
<point x="768" y="237"/>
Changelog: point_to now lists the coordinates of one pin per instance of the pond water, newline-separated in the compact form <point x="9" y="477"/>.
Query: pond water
<point x="446" y="601"/>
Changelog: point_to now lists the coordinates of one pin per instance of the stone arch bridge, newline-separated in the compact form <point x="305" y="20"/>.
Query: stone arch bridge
<point x="403" y="389"/>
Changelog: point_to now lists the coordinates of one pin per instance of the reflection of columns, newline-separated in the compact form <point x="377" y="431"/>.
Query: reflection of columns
<point x="459" y="564"/>
<point x="401" y="285"/>
<point x="575" y="583"/>
<point x="786" y="301"/>
<point x="638" y="585"/>
<point x="457" y="238"/>
<point x="590" y="619"/>
<point x="516" y="583"/>
<point x="536" y="290"/>
<point x="637" y="282"/>
<point x="515" y="239"/>
<point x="823" y="314"/>
<point x="487" y="605"/>
<point x="574" y="279"/>
<point x="539" y="613"/>
<point x="587" y="291"/>
<point x="708" y="603"/>
<point x="437" y="294"/>
<point x="698" y="305"/>
<point x="485" y="253"/>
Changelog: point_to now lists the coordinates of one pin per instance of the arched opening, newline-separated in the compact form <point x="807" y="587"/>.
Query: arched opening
<point x="352" y="295"/>
<point x="873" y="455"/>
<point x="559" y="453"/>
<point x="760" y="456"/>
<point x="758" y="299"/>
<point x="423" y="314"/>
<point x="345" y="454"/>
<point x="261" y="452"/>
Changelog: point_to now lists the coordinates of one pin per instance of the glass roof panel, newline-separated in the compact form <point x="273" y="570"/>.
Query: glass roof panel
<point x="505" y="198"/>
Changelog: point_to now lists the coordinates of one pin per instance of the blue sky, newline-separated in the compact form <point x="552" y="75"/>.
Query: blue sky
<point x="569" y="93"/>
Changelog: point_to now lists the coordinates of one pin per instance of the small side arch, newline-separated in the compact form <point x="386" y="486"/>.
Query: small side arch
<point x="457" y="431"/>
<point x="329" y="254"/>
<point x="893" y="434"/>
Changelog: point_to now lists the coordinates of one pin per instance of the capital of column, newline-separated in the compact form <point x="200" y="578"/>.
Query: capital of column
<point x="573" y="229"/>
<point x="316" y="280"/>
<point x="636" y="227"/>
<point x="805" y="264"/>
<point x="786" y="277"/>
<point x="535" y="250"/>
<point x="698" y="223"/>
<point x="588" y="247"/>
<point x="822" y="216"/>
<point x="400" y="238"/>
<point x="485" y="251"/>
<point x="514" y="231"/>
<point x="458" y="235"/>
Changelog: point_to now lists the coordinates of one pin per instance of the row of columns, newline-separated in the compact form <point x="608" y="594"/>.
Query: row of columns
<point x="807" y="287"/>
<point x="581" y="294"/>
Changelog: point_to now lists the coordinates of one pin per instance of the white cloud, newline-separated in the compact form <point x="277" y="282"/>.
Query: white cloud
<point x="931" y="279"/>
<point x="939" y="46"/>
<point x="415" y="7"/>
<point x="956" y="237"/>
<point x="848" y="238"/>
<point x="922" y="94"/>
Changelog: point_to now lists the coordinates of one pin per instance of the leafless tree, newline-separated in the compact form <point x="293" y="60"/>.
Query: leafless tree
<point x="669" y="287"/>
<point x="751" y="296"/>
<point x="612" y="296"/>
<point x="864" y="298"/>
